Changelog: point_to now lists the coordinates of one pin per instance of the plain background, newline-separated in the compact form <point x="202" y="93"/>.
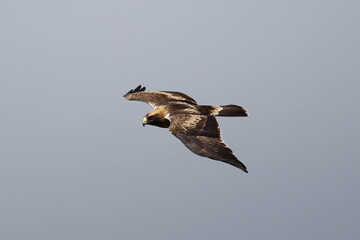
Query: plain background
<point x="77" y="164"/>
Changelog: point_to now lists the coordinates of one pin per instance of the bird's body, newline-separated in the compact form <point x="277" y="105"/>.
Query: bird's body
<point x="194" y="125"/>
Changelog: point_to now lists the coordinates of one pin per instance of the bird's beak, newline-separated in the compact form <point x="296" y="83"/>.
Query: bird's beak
<point x="144" y="121"/>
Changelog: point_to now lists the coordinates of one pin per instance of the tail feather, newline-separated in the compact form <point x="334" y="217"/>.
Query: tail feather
<point x="232" y="111"/>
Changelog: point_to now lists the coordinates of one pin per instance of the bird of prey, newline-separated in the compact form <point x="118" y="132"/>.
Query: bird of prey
<point x="194" y="125"/>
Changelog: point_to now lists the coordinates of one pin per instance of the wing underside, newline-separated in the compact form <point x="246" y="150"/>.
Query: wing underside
<point x="201" y="135"/>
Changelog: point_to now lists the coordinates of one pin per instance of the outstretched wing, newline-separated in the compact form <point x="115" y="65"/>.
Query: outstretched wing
<point x="155" y="98"/>
<point x="201" y="134"/>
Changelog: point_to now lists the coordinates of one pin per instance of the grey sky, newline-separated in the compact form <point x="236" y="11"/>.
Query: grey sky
<point x="77" y="164"/>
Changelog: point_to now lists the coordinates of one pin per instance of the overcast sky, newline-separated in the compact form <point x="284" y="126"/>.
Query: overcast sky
<point x="75" y="162"/>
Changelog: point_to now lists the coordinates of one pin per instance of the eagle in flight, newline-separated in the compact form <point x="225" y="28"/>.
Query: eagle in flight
<point x="194" y="125"/>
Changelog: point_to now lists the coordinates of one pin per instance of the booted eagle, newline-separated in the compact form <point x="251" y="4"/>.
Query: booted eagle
<point x="194" y="125"/>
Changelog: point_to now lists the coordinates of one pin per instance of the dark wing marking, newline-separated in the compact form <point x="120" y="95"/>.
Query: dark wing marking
<point x="155" y="98"/>
<point x="137" y="89"/>
<point x="201" y="134"/>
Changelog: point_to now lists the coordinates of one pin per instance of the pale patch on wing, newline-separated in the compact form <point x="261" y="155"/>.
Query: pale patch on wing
<point x="192" y="121"/>
<point x="179" y="96"/>
<point x="215" y="111"/>
<point x="167" y="116"/>
<point x="193" y="124"/>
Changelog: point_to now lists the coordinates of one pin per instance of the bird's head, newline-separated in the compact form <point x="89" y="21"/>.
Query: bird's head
<point x="155" y="120"/>
<point x="147" y="120"/>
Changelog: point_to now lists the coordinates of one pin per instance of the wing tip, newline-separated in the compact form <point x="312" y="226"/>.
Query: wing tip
<point x="137" y="89"/>
<point x="238" y="164"/>
<point x="242" y="168"/>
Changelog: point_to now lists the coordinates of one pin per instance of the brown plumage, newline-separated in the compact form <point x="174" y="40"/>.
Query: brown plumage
<point x="194" y="125"/>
